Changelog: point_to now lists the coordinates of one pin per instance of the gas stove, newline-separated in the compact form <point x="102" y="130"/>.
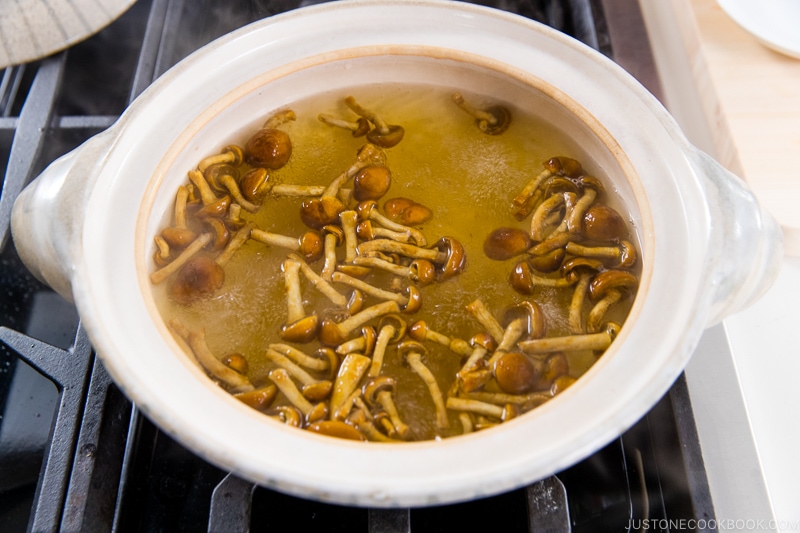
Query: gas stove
<point x="76" y="455"/>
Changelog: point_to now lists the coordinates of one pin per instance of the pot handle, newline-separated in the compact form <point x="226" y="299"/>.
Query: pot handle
<point x="745" y="241"/>
<point x="48" y="216"/>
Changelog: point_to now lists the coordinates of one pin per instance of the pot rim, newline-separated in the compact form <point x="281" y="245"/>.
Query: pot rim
<point x="390" y="475"/>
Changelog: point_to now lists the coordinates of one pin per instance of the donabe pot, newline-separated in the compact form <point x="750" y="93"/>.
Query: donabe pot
<point x="86" y="227"/>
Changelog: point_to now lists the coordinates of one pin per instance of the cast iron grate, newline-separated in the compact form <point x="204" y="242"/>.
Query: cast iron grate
<point x="75" y="455"/>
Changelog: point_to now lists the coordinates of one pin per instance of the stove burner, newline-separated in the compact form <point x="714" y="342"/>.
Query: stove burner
<point x="76" y="455"/>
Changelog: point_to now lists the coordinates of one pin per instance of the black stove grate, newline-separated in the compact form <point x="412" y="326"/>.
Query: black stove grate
<point x="75" y="455"/>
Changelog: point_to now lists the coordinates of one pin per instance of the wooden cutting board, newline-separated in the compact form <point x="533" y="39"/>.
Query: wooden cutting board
<point x="748" y="95"/>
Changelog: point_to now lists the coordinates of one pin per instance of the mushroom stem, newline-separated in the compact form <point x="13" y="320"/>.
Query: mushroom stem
<point x="291" y="367"/>
<point x="408" y="250"/>
<point x="475" y="406"/>
<point x="599" y="310"/>
<point x="466" y="423"/>
<point x="369" y="154"/>
<point x="570" y="343"/>
<point x="575" y="219"/>
<point x="478" y="310"/>
<point x="493" y="120"/>
<point x="300" y="357"/>
<point x="474" y="112"/>
<point x="229" y="182"/>
<point x="284" y="382"/>
<point x="333" y="334"/>
<point x="294" y="296"/>
<point x="380" y="124"/>
<point x="384" y="336"/>
<point x="196" y="342"/>
<point x="368" y="210"/>
<point x="296" y="191"/>
<point x="307" y="244"/>
<point x="181" y="198"/>
<point x="319" y="283"/>
<point x="576" y="304"/>
<point x="511" y="334"/>
<point x="547" y="209"/>
<point x="350" y="373"/>
<point x="358" y="128"/>
<point x="368" y="429"/>
<point x="162" y="254"/>
<point x="230" y="154"/>
<point x="420" y="331"/>
<point x="366" y="288"/>
<point x="349" y="219"/>
<point x="236" y="242"/>
<point x="206" y="194"/>
<point x="525" y="200"/>
<point x="167" y="270"/>
<point x="414" y="360"/>
<point x="624" y="254"/>
<point x="501" y="398"/>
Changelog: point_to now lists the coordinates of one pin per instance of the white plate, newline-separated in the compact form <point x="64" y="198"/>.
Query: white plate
<point x="32" y="29"/>
<point x="776" y="23"/>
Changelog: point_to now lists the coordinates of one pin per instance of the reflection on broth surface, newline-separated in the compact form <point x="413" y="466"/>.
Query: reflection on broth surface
<point x="400" y="263"/>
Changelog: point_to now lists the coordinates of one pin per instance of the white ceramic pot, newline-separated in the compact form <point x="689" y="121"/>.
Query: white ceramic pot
<point x="85" y="227"/>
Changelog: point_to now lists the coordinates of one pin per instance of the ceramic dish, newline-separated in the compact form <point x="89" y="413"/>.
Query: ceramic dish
<point x="775" y="23"/>
<point x="86" y="227"/>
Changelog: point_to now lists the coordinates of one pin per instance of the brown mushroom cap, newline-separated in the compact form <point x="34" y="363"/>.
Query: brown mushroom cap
<point x="534" y="316"/>
<point x="301" y="331"/>
<point x="578" y="265"/>
<point x="318" y="212"/>
<point x="501" y="120"/>
<point x="215" y="172"/>
<point x="548" y="262"/>
<point x="269" y="148"/>
<point x="603" y="223"/>
<point x="252" y="184"/>
<point x="608" y="280"/>
<point x="371" y="182"/>
<point x="311" y="247"/>
<point x="505" y="243"/>
<point x="516" y="373"/>
<point x="200" y="277"/>
<point x="178" y="237"/>
<point x="564" y="166"/>
<point x="386" y="139"/>
<point x="414" y="302"/>
<point x="456" y="257"/>
<point x="521" y="278"/>
<point x="336" y="428"/>
<point x="406" y="211"/>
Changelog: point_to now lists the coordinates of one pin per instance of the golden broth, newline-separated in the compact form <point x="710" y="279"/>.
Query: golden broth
<point x="466" y="177"/>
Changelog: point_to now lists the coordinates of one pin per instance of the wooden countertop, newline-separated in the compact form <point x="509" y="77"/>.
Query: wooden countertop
<point x="748" y="95"/>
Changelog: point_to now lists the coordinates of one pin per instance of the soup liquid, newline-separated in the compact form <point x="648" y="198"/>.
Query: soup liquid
<point x="466" y="177"/>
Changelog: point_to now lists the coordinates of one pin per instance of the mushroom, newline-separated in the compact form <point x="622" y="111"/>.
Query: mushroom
<point x="332" y="236"/>
<point x="623" y="256"/>
<point x="287" y="414"/>
<point x="195" y="342"/>
<point x="320" y="388"/>
<point x="325" y="288"/>
<point x="221" y="234"/>
<point x="359" y="128"/>
<point x="309" y="245"/>
<point x="474" y="373"/>
<point x="179" y="236"/>
<point x="230" y="183"/>
<point x="363" y="344"/>
<point x="419" y="331"/>
<point x="592" y="188"/>
<point x="541" y="226"/>
<point x="383" y="134"/>
<point x="371" y="182"/>
<point x="562" y="383"/>
<point x="253" y="185"/>
<point x="359" y="418"/>
<point x="412" y="352"/>
<point x="606" y="289"/>
<point x="548" y="262"/>
<point x="391" y="329"/>
<point x="603" y="223"/>
<point x="167" y="270"/>
<point x="349" y="220"/>
<point x="200" y="277"/>
<point x="207" y="196"/>
<point x="298" y="327"/>
<point x="582" y="269"/>
<point x="406" y="211"/>
<point x="410" y="302"/>
<point x="336" y="428"/>
<point x="466" y="423"/>
<point x="352" y="369"/>
<point x="524" y="318"/>
<point x="162" y="255"/>
<point x="527" y="401"/>
<point x="333" y="334"/>
<point x="447" y="253"/>
<point x="231" y="154"/>
<point x="527" y="198"/>
<point x="420" y="271"/>
<point x="478" y="310"/>
<point x="237" y="362"/>
<point x="482" y="408"/>
<point x="523" y="279"/>
<point x="270" y="147"/>
<point x="234" y="219"/>
<point x="367" y="231"/>
<point x="516" y="373"/>
<point x="260" y="398"/>
<point x="318" y="362"/>
<point x="368" y="210"/>
<point x="324" y="210"/>
<point x="378" y="391"/>
<point x="505" y="243"/>
<point x="551" y="243"/>
<point x="284" y="382"/>
<point x="355" y="303"/>
<point x="493" y="120"/>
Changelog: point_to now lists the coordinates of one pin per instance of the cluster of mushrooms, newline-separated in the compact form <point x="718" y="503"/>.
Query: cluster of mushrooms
<point x="371" y="264"/>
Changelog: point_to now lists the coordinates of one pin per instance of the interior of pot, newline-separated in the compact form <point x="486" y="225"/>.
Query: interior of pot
<point x="234" y="118"/>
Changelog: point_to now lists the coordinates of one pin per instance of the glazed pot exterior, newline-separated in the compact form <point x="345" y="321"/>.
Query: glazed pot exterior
<point x="86" y="224"/>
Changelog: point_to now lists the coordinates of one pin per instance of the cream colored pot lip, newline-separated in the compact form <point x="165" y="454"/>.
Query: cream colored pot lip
<point x="215" y="445"/>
